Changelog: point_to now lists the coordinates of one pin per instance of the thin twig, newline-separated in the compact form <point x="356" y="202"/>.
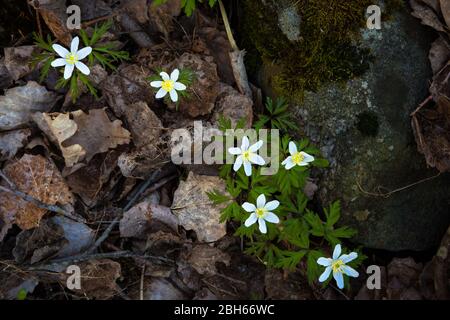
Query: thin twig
<point x="99" y="256"/>
<point x="390" y="193"/>
<point x="141" y="291"/>
<point x="108" y="230"/>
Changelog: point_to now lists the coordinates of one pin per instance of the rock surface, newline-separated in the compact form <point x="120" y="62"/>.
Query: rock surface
<point x="363" y="127"/>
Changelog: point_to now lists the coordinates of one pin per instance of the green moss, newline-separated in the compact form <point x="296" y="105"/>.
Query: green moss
<point x="327" y="50"/>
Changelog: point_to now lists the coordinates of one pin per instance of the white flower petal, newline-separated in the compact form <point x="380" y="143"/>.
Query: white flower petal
<point x="324" y="276"/>
<point x="289" y="164"/>
<point x="156" y="84"/>
<point x="161" y="93"/>
<point x="262" y="225"/>
<point x="251" y="220"/>
<point x="337" y="252"/>
<point x="261" y="201"/>
<point x="350" y="271"/>
<point x="272" y="205"/>
<point x="173" y="95"/>
<point x="83" y="53"/>
<point x="74" y="45"/>
<point x="179" y="86"/>
<point x="326" y="262"/>
<point x="346" y="258"/>
<point x="68" y="70"/>
<point x="60" y="50"/>
<point x="245" y="143"/>
<point x="58" y="62"/>
<point x="175" y="74"/>
<point x="235" y="151"/>
<point x="247" y="168"/>
<point x="271" y="217"/>
<point x="238" y="163"/>
<point x="256" y="159"/>
<point x="307" y="157"/>
<point x="256" y="146"/>
<point x="339" y="279"/>
<point x="249" y="207"/>
<point x="164" y="76"/>
<point x="82" y="67"/>
<point x="292" y="148"/>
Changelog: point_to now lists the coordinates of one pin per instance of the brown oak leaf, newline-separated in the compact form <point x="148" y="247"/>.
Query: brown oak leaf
<point x="38" y="177"/>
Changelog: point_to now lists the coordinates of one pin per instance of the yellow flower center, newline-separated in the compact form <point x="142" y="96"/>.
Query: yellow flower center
<point x="246" y="155"/>
<point x="71" y="58"/>
<point x="298" y="158"/>
<point x="337" y="266"/>
<point x="260" y="212"/>
<point x="168" y="85"/>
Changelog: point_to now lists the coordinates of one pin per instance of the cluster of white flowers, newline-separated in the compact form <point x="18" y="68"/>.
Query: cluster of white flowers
<point x="247" y="156"/>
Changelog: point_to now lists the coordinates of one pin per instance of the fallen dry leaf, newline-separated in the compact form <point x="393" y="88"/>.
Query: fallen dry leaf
<point x="98" y="279"/>
<point x="194" y="209"/>
<point x="205" y="88"/>
<point x="445" y="9"/>
<point x="14" y="60"/>
<point x="426" y="14"/>
<point x="19" y="103"/>
<point x="55" y="16"/>
<point x="146" y="217"/>
<point x="431" y="126"/>
<point x="439" y="54"/>
<point x="11" y="142"/>
<point x="203" y="259"/>
<point x="80" y="136"/>
<point x="39" y="178"/>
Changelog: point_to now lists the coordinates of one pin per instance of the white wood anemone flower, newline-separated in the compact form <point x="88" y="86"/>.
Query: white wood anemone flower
<point x="296" y="158"/>
<point x="169" y="85"/>
<point x="246" y="155"/>
<point x="338" y="264"/>
<point x="71" y="59"/>
<point x="262" y="212"/>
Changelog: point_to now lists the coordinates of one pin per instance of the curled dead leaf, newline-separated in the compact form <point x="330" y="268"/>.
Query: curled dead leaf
<point x="80" y="136"/>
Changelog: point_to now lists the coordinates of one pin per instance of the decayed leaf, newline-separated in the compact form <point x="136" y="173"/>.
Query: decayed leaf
<point x="98" y="279"/>
<point x="195" y="210"/>
<point x="426" y="15"/>
<point x="203" y="259"/>
<point x="432" y="131"/>
<point x="146" y="217"/>
<point x="14" y="60"/>
<point x="11" y="142"/>
<point x="88" y="181"/>
<point x="39" y="178"/>
<point x="55" y="16"/>
<point x="205" y="88"/>
<point x="19" y="103"/>
<point x="445" y="9"/>
<point x="439" y="54"/>
<point x="80" y="136"/>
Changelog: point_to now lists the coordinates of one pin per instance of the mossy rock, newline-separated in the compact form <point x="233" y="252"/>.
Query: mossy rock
<point x="358" y="112"/>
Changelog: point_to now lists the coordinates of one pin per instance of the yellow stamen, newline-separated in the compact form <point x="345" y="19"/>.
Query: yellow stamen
<point x="298" y="158"/>
<point x="246" y="155"/>
<point x="71" y="58"/>
<point x="168" y="85"/>
<point x="337" y="266"/>
<point x="260" y="212"/>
